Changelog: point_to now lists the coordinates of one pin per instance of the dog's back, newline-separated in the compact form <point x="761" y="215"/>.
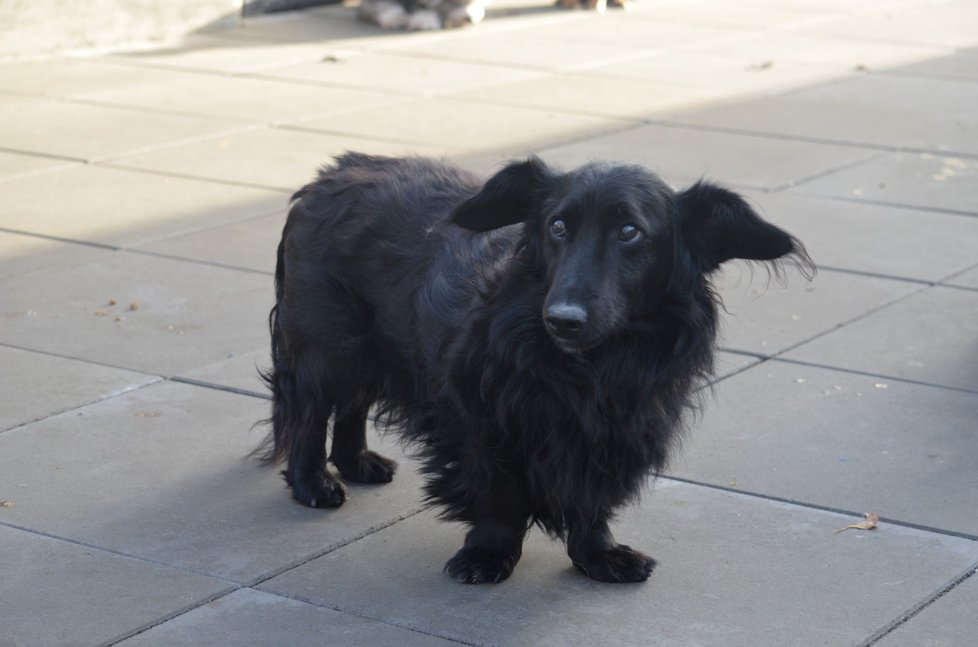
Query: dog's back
<point x="358" y="244"/>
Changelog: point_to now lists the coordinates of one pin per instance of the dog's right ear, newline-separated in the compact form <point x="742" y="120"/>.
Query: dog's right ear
<point x="507" y="198"/>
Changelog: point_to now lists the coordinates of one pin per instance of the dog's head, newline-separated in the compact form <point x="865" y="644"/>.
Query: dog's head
<point x="611" y="241"/>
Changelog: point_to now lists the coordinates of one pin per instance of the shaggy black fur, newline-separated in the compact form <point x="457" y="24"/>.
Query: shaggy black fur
<point x="539" y="336"/>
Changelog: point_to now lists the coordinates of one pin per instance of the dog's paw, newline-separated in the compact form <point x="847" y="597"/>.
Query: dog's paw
<point x="477" y="565"/>
<point x="367" y="467"/>
<point x="581" y="4"/>
<point x="618" y="564"/>
<point x="423" y="20"/>
<point x="320" y="491"/>
<point x="386" y="14"/>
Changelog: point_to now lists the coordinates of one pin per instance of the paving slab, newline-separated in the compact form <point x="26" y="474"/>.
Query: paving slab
<point x="401" y="75"/>
<point x="617" y="30"/>
<point x="930" y="336"/>
<point x="950" y="26"/>
<point x="249" y="245"/>
<point x="186" y="314"/>
<point x="75" y="77"/>
<point x="89" y="132"/>
<point x="250" y="617"/>
<point x="579" y="93"/>
<point x="962" y="66"/>
<point x="60" y="593"/>
<point x="13" y="165"/>
<point x="923" y="181"/>
<point x="734" y="77"/>
<point x="940" y="99"/>
<point x="949" y="622"/>
<point x="733" y="570"/>
<point x="685" y="155"/>
<point x="846" y="8"/>
<point x="450" y="125"/>
<point x="891" y="111"/>
<point x="242" y="372"/>
<point x="842" y="440"/>
<point x="163" y="473"/>
<point x="36" y="385"/>
<point x="119" y="207"/>
<point x="779" y="47"/>
<point x="743" y="16"/>
<point x="230" y="56"/>
<point x="910" y="243"/>
<point x="765" y="317"/>
<point x="518" y="49"/>
<point x="967" y="279"/>
<point x="20" y="253"/>
<point x="274" y="158"/>
<point x="244" y="98"/>
<point x="728" y="364"/>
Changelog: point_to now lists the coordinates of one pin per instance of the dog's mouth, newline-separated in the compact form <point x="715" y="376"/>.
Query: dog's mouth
<point x="575" y="346"/>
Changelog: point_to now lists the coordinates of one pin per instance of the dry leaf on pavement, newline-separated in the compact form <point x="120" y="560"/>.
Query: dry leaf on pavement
<point x="870" y="523"/>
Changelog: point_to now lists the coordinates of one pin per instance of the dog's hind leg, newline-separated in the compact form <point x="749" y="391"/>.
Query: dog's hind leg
<point x="300" y="414"/>
<point x="595" y="553"/>
<point x="350" y="454"/>
<point x="311" y="483"/>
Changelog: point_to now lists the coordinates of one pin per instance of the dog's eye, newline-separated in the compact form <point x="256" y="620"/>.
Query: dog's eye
<point x="629" y="233"/>
<point x="558" y="228"/>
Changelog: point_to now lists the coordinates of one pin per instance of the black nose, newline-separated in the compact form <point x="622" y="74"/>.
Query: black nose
<point x="565" y="319"/>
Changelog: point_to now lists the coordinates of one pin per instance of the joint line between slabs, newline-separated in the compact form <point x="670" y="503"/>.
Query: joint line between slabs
<point x="850" y="321"/>
<point x="119" y="164"/>
<point x="261" y="579"/>
<point x="828" y="367"/>
<point x="220" y="387"/>
<point x="170" y="616"/>
<point x="959" y="273"/>
<point x="879" y="275"/>
<point x="916" y="609"/>
<point x="808" y="179"/>
<point x="61" y="239"/>
<point x="826" y="141"/>
<point x="882" y="203"/>
<point x="50" y="156"/>
<point x="349" y="612"/>
<point x="821" y="508"/>
<point x="112" y="551"/>
<point x="198" y="261"/>
<point x="251" y="584"/>
<point x="678" y="123"/>
<point x="853" y="371"/>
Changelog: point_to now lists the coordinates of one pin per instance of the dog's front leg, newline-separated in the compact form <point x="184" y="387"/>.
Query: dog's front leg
<point x="499" y="521"/>
<point x="490" y="553"/>
<point x="595" y="553"/>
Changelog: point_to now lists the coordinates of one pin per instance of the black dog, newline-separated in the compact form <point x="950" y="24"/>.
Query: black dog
<point x="543" y="369"/>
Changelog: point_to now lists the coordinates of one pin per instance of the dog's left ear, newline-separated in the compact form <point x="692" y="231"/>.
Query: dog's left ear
<point x="719" y="226"/>
<point x="507" y="198"/>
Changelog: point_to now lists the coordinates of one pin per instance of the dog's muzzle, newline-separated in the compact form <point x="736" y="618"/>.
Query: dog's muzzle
<point x="565" y="320"/>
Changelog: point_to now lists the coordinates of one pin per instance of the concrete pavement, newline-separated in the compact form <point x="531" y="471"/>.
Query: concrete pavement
<point x="141" y="198"/>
